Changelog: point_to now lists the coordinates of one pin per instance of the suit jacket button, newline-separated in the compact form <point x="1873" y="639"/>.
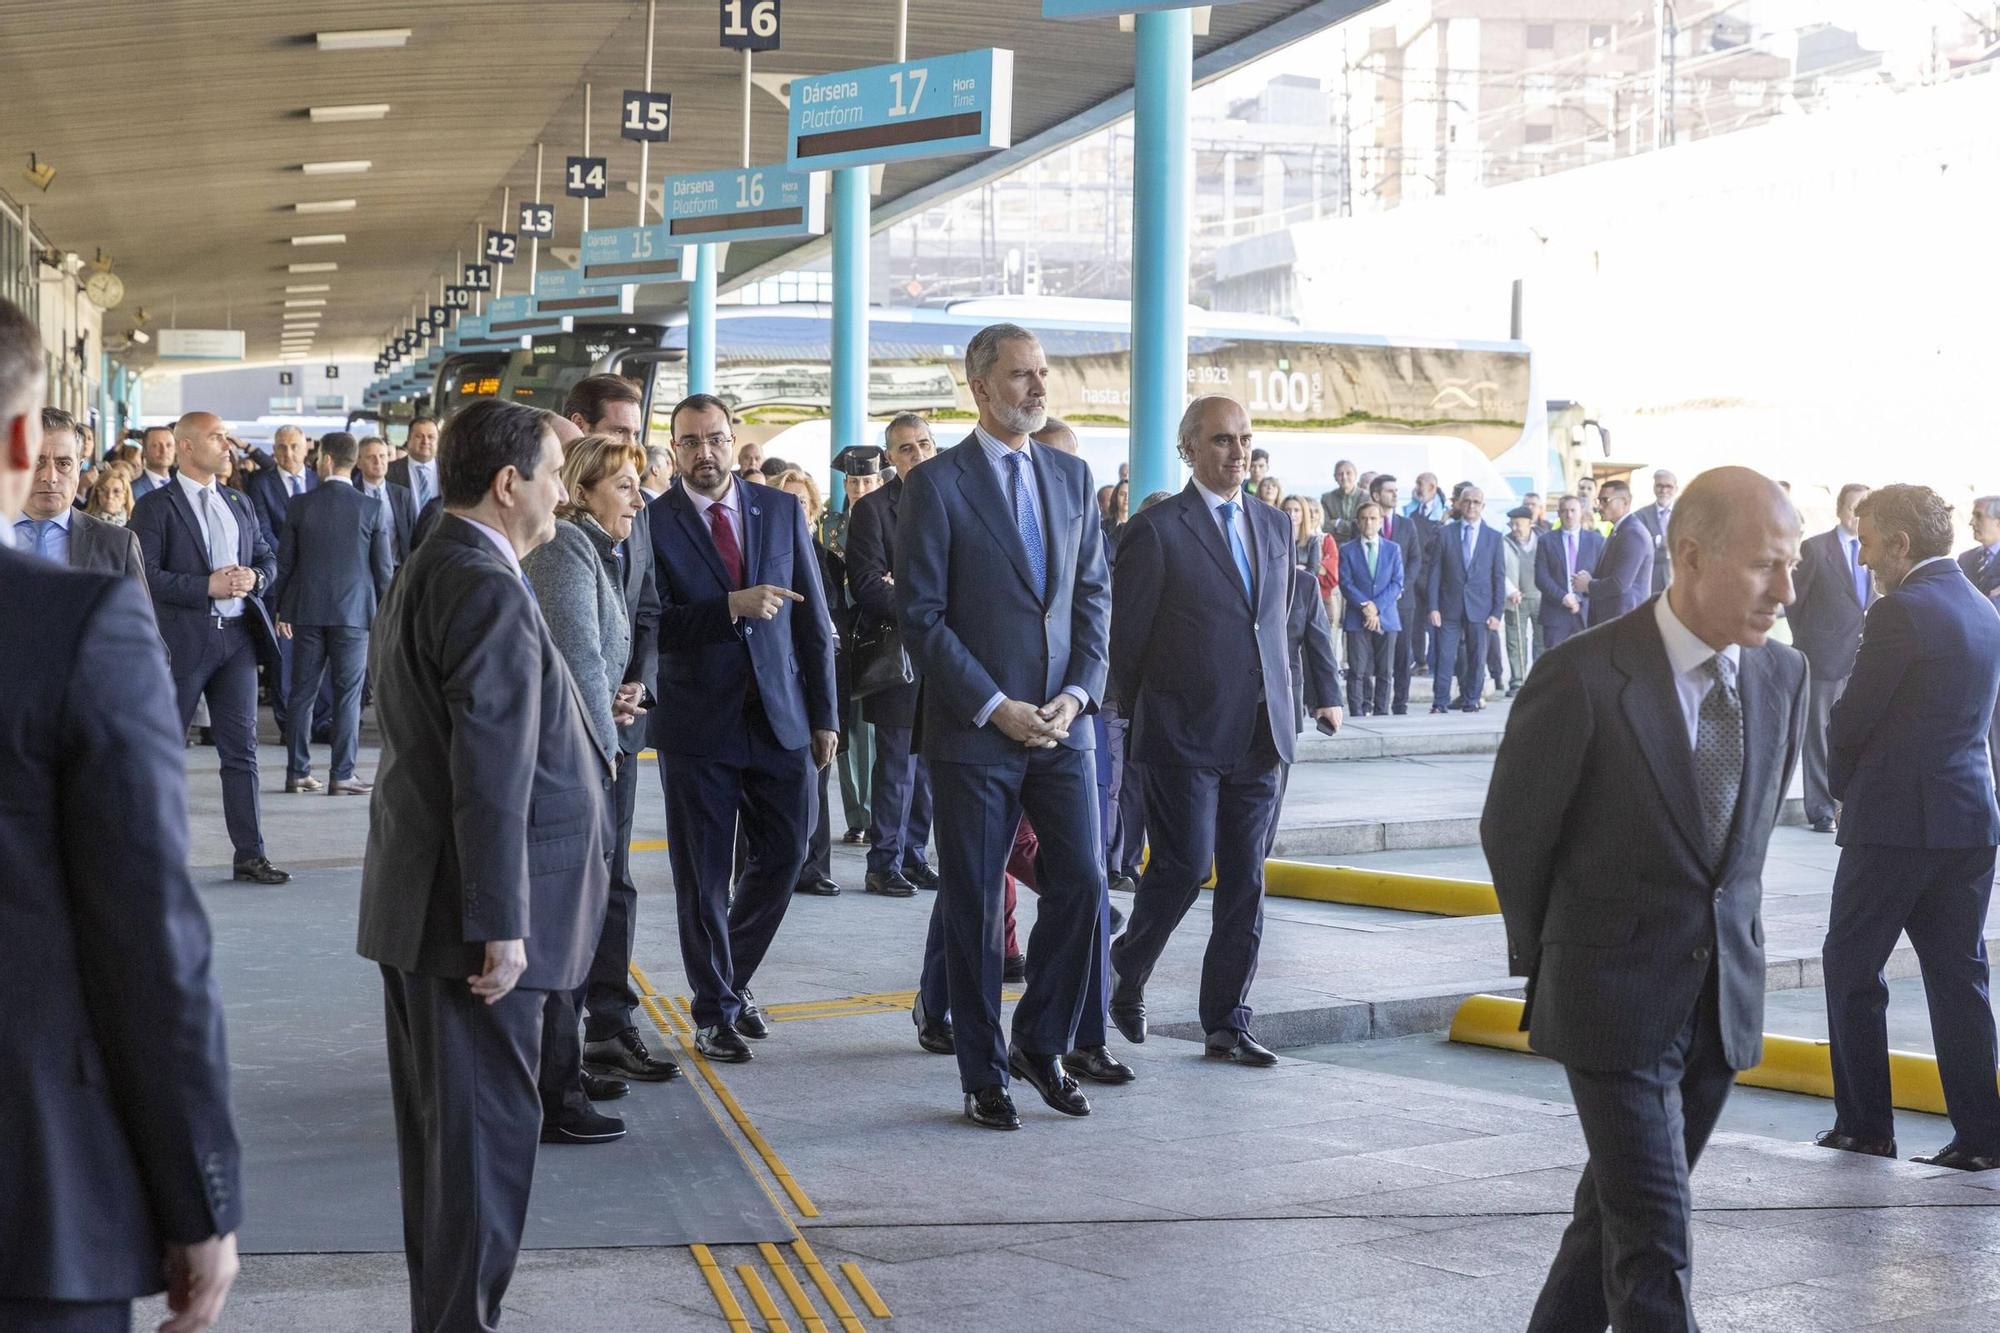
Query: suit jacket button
<point x="1701" y="953"/>
<point x="749" y="629"/>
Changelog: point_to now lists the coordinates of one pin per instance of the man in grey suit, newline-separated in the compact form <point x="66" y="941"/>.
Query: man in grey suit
<point x="1656" y="518"/>
<point x="50" y="526"/>
<point x="333" y="570"/>
<point x="1631" y="803"/>
<point x="1834" y="594"/>
<point x="484" y="884"/>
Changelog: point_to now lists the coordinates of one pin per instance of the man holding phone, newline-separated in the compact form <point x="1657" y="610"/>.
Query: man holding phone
<point x="1200" y="600"/>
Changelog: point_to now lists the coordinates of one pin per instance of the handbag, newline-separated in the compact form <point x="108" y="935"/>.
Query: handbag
<point x="880" y="663"/>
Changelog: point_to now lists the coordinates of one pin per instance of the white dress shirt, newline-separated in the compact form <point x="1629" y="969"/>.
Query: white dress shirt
<point x="731" y="501"/>
<point x="228" y="607"/>
<point x="500" y="544"/>
<point x="1688" y="657"/>
<point x="1242" y="520"/>
<point x="998" y="454"/>
<point x="429" y="489"/>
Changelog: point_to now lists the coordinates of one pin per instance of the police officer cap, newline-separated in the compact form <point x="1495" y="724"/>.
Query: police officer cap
<point x="859" y="460"/>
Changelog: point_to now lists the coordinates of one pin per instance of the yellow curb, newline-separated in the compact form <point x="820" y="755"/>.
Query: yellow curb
<point x="1379" y="888"/>
<point x="1790" y="1064"/>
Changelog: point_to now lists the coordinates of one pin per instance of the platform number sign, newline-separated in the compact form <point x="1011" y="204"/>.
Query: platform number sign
<point x="538" y="220"/>
<point x="425" y="329"/>
<point x="440" y="317"/>
<point x="750" y="25"/>
<point x="333" y="372"/>
<point x="502" y="247"/>
<point x="584" y="178"/>
<point x="458" y="298"/>
<point x="479" y="277"/>
<point x="647" y="116"/>
<point x="381" y="365"/>
<point x="284" y="379"/>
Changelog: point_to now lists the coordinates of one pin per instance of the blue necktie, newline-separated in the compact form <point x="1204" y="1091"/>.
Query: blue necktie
<point x="1860" y="574"/>
<point x="1024" y="522"/>
<point x="1235" y="539"/>
<point x="1471" y="536"/>
<point x="36" y="530"/>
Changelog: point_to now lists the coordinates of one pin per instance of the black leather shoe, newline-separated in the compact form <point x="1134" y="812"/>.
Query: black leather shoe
<point x="921" y="875"/>
<point x="1098" y="1065"/>
<point x="1958" y="1159"/>
<point x="583" y="1127"/>
<point x="720" y="1043"/>
<point x="626" y="1056"/>
<point x="890" y="884"/>
<point x="1117" y="919"/>
<point x="992" y="1108"/>
<point x="1119" y="882"/>
<point x="1044" y="1073"/>
<point x="1014" y="967"/>
<point x="855" y="837"/>
<point x="819" y="886"/>
<point x="1400" y="710"/>
<point x="1821" y="826"/>
<point x="261" y="871"/>
<point x="601" y="1089"/>
<point x="1438" y="708"/>
<point x="1240" y="1047"/>
<point x="1128" y="1011"/>
<point x="750" y="1019"/>
<point x="933" y="1034"/>
<point x="1840" y="1142"/>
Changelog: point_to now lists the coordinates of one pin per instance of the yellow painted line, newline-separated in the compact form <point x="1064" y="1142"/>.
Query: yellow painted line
<point x="1790" y="1064"/>
<point x="718" y="1287"/>
<point x="649" y="754"/>
<point x="648" y="845"/>
<point x="761" y="1298"/>
<point x="829" y="1290"/>
<point x="1379" y="888"/>
<point x="865" y="1290"/>
<point x="801" y="1302"/>
<point x="750" y="1131"/>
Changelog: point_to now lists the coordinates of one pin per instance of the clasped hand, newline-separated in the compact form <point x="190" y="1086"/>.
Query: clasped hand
<point x="1038" y="728"/>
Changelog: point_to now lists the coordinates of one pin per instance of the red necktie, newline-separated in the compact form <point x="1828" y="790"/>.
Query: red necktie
<point x="725" y="543"/>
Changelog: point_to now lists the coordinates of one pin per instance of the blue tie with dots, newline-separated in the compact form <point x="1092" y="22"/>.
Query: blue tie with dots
<point x="1227" y="509"/>
<point x="1024" y="521"/>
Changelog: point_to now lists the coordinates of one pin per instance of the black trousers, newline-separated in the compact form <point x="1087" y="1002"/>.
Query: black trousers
<point x="1939" y="897"/>
<point x="1626" y="1260"/>
<point x="462" y="1076"/>
<point x="1202" y="817"/>
<point x="225" y="673"/>
<point x="1461" y="645"/>
<point x="31" y="1316"/>
<point x="608" y="997"/>
<point x="768" y="790"/>
<point x="1371" y="662"/>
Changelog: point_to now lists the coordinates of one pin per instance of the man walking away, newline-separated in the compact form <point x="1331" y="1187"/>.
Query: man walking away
<point x="1635" y="791"/>
<point x="1906" y="753"/>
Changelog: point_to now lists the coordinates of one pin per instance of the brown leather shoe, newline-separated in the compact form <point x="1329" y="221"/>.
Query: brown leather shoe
<point x="306" y="785"/>
<point x="349" y="787"/>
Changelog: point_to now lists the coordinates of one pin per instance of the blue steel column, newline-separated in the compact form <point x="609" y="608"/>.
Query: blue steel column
<point x="850" y="316"/>
<point x="1160" y="247"/>
<point x="701" y="322"/>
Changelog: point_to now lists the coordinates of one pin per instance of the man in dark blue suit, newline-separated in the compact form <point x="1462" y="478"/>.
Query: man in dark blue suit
<point x="371" y="476"/>
<point x="1570" y="550"/>
<point x="1467" y="589"/>
<point x="746" y="714"/>
<point x="1982" y="565"/>
<point x="1371" y="585"/>
<point x="1835" y="591"/>
<point x="119" y="1165"/>
<point x="900" y="802"/>
<point x="1626" y="827"/>
<point x="157" y="453"/>
<point x="1622" y="578"/>
<point x="272" y="490"/>
<point x="1200" y="603"/>
<point x="1907" y="758"/>
<point x="1415" y="537"/>
<point x="208" y="565"/>
<point x="1005" y="607"/>
<point x="334" y="565"/>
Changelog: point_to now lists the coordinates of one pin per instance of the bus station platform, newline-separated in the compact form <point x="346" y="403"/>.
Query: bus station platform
<point x="1381" y="1177"/>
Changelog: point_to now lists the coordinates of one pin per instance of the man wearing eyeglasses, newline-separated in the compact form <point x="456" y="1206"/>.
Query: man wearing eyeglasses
<point x="746" y="713"/>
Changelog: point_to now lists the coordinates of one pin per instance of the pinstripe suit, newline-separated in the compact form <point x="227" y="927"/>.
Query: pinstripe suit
<point x="1645" y="963"/>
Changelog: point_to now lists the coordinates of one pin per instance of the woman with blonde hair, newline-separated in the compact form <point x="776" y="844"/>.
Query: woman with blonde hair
<point x="576" y="579"/>
<point x="111" y="498"/>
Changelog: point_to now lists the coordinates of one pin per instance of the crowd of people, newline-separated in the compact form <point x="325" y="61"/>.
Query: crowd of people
<point x="1014" y="679"/>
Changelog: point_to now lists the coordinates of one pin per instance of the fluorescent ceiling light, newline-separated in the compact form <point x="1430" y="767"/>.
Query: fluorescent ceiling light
<point x="301" y="302"/>
<point x="336" y="168"/>
<point x="327" y="115"/>
<point x="301" y="323"/>
<point x="363" y="39"/>
<point x="308" y="287"/>
<point x="312" y="268"/>
<point x="324" y="238"/>
<point x="325" y="206"/>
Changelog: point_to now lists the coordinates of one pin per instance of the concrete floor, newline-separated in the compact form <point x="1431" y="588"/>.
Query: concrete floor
<point x="1384" y="1185"/>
